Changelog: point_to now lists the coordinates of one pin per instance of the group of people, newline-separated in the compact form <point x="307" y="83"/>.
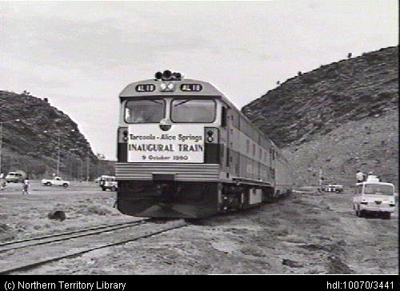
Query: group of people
<point x="361" y="177"/>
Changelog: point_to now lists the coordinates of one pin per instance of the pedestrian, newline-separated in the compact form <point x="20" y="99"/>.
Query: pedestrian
<point x="360" y="176"/>
<point x="2" y="182"/>
<point x="25" y="187"/>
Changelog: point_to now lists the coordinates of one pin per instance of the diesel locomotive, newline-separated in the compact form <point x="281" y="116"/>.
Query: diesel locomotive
<point x="185" y="151"/>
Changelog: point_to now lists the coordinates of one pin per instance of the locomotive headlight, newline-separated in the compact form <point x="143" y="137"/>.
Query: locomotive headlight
<point x="211" y="135"/>
<point x="167" y="87"/>
<point x="123" y="135"/>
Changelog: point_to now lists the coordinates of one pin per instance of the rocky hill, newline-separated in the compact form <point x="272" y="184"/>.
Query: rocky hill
<point x="33" y="133"/>
<point x="338" y="118"/>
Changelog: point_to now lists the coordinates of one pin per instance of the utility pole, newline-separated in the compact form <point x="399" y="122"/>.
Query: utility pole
<point x="320" y="179"/>
<point x="1" y="139"/>
<point x="59" y="154"/>
<point x="87" y="168"/>
<point x="81" y="170"/>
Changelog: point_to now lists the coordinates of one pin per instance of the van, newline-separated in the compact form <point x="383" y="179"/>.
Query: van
<point x="15" y="177"/>
<point x="108" y="182"/>
<point x="374" y="197"/>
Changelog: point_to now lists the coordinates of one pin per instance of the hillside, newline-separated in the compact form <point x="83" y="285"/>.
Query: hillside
<point x="338" y="118"/>
<point x="33" y="134"/>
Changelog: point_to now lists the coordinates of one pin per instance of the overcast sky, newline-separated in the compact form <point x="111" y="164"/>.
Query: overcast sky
<point x="81" y="55"/>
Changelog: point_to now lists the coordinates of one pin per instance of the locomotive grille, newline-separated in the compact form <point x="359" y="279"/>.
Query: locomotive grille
<point x="182" y="172"/>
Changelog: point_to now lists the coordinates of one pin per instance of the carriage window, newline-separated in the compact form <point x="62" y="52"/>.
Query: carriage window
<point x="144" y="111"/>
<point x="192" y="110"/>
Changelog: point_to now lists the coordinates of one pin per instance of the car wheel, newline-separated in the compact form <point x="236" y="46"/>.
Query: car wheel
<point x="65" y="185"/>
<point x="104" y="189"/>
<point x="48" y="184"/>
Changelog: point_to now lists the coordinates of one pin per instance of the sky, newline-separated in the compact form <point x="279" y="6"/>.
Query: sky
<point x="80" y="55"/>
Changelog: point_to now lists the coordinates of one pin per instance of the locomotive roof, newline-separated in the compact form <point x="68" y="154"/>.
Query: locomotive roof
<point x="208" y="90"/>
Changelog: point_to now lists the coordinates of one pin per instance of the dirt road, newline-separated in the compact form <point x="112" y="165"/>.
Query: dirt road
<point x="307" y="233"/>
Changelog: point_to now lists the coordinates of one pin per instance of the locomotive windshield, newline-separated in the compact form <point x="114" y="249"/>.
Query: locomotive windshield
<point x="144" y="111"/>
<point x="193" y="110"/>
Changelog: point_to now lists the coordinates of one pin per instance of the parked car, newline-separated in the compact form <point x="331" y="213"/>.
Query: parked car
<point x="374" y="197"/>
<point x="15" y="177"/>
<point x="333" y="188"/>
<point x="56" y="181"/>
<point x="108" y="182"/>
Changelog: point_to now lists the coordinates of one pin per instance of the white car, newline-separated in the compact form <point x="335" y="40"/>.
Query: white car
<point x="57" y="181"/>
<point x="108" y="182"/>
<point x="374" y="197"/>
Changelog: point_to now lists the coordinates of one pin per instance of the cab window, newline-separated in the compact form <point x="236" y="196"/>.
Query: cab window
<point x="144" y="111"/>
<point x="193" y="110"/>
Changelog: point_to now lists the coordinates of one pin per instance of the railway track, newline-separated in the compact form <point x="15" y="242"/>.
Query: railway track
<point x="69" y="244"/>
<point x="19" y="244"/>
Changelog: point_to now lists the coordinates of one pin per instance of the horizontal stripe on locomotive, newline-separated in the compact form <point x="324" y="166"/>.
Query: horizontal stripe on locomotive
<point x="181" y="172"/>
<point x="243" y="156"/>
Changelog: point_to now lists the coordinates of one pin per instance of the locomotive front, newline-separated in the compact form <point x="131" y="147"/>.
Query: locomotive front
<point x="169" y="148"/>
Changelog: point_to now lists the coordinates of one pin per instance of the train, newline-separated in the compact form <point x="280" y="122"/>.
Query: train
<point x="184" y="150"/>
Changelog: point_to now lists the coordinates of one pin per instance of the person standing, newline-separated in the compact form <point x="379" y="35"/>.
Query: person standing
<point x="2" y="182"/>
<point x="25" y="187"/>
<point x="360" y="176"/>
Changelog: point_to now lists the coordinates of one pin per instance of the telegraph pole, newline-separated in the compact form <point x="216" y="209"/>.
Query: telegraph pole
<point x="87" y="168"/>
<point x="59" y="154"/>
<point x="320" y="179"/>
<point x="1" y="139"/>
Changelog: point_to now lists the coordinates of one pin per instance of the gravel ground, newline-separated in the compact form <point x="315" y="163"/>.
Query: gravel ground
<point x="307" y="233"/>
